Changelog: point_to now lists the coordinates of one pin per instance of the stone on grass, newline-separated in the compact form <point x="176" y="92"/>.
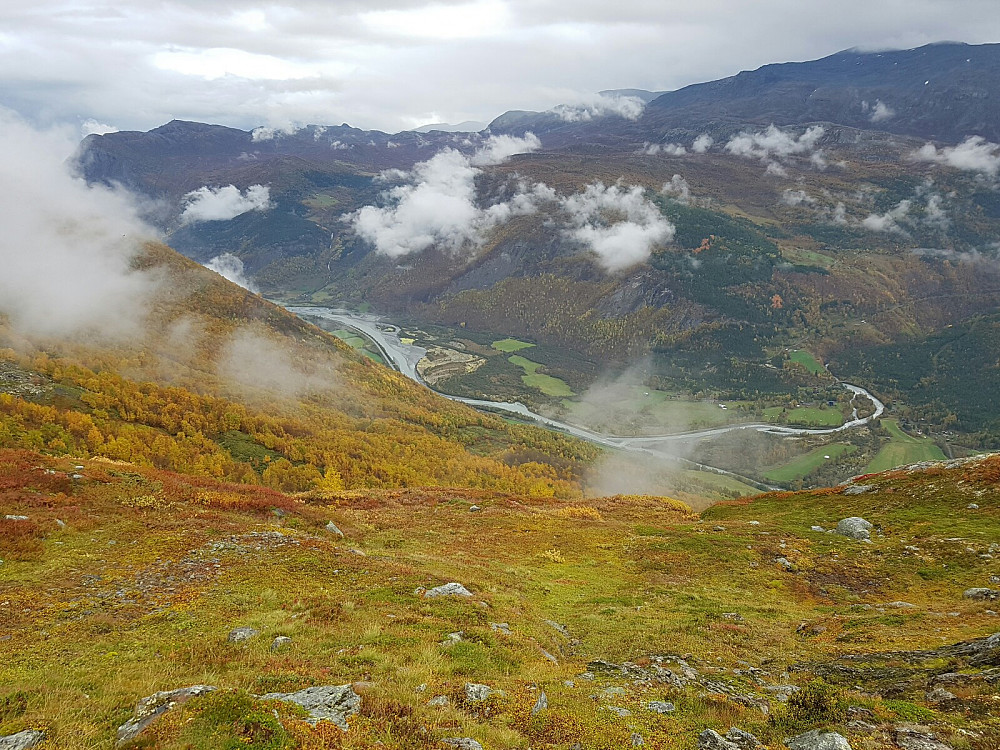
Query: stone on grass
<point x="855" y="528"/>
<point x="239" y="635"/>
<point x="324" y="703"/>
<point x="152" y="707"/>
<point x="909" y="738"/>
<point x="448" y="589"/>
<point x="462" y="743"/>
<point x="476" y="692"/>
<point x="637" y="740"/>
<point x="15" y="518"/>
<point x="661" y="707"/>
<point x="280" y="642"/>
<point x="982" y="594"/>
<point x="474" y="509"/>
<point x="541" y="704"/>
<point x="500" y="627"/>
<point x="618" y="711"/>
<point x="22" y="740"/>
<point x="859" y="489"/>
<point x="712" y="740"/>
<point x="438" y="700"/>
<point x="333" y="529"/>
<point x="817" y="740"/>
<point x="940" y="695"/>
<point x="742" y="739"/>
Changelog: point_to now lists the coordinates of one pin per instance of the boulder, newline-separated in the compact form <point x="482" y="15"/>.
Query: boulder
<point x="637" y="740"/>
<point x="476" y="692"/>
<point x="448" y="589"/>
<point x="712" y="740"/>
<point x="982" y="594"/>
<point x="438" y="701"/>
<point x="541" y="704"/>
<point x="855" y="528"/>
<point x="462" y="743"/>
<point x="818" y="740"/>
<point x="239" y="635"/>
<point x="282" y="641"/>
<point x="859" y="489"/>
<point x="500" y="627"/>
<point x="910" y="738"/>
<point x="333" y="703"/>
<point x="332" y="528"/>
<point x="152" y="707"/>
<point x="661" y="707"/>
<point x="22" y="740"/>
<point x="743" y="740"/>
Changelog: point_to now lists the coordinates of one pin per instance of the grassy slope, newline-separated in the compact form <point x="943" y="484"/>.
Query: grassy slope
<point x="99" y="619"/>
<point x="802" y="465"/>
<point x="903" y="449"/>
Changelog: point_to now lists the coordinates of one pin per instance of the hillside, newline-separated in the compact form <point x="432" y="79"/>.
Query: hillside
<point x="611" y="623"/>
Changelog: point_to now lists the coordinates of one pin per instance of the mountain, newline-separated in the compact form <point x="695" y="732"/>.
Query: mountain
<point x="942" y="92"/>
<point x="468" y="126"/>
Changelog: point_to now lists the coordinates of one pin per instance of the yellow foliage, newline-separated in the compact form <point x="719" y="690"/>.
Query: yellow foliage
<point x="581" y="512"/>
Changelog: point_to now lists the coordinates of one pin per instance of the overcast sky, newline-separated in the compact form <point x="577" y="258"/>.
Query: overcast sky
<point x="397" y="64"/>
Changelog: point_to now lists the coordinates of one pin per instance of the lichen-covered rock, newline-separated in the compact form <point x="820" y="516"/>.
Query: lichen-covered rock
<point x="333" y="703"/>
<point x="909" y="738"/>
<point x="448" y="589"/>
<point x="712" y="740"/>
<point x="855" y="528"/>
<point x="282" y="641"/>
<point x="541" y="704"/>
<point x="152" y="707"/>
<point x="462" y="743"/>
<point x="661" y="707"/>
<point x="476" y="692"/>
<point x="438" y="701"/>
<point x="333" y="529"/>
<point x="743" y="739"/>
<point x="982" y="594"/>
<point x="817" y="740"/>
<point x="22" y="740"/>
<point x="239" y="635"/>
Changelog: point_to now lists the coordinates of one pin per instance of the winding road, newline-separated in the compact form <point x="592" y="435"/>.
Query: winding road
<point x="404" y="357"/>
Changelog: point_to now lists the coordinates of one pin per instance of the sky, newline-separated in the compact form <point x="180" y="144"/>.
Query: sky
<point x="101" y="65"/>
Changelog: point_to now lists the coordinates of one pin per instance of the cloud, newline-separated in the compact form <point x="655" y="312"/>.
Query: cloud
<point x="223" y="203"/>
<point x="974" y="154"/>
<point x="776" y="144"/>
<point x="678" y="189"/>
<point x="437" y="204"/>
<point x="601" y="105"/>
<point x="618" y="224"/>
<point x="890" y="220"/>
<point x="670" y="149"/>
<point x="231" y="268"/>
<point x="67" y="249"/>
<point x="702" y="143"/>
<point x="881" y="112"/>
<point x="255" y="362"/>
<point x="93" y="127"/>
<point x="796" y="198"/>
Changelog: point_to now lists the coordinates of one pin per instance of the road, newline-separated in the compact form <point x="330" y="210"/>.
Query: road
<point x="404" y="358"/>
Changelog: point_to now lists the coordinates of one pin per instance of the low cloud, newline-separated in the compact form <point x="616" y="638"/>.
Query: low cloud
<point x="890" y="220"/>
<point x="668" y="149"/>
<point x="881" y="112"/>
<point x="629" y="107"/>
<point x="702" y="143"/>
<point x="257" y="363"/>
<point x="797" y="198"/>
<point x="67" y="249"/>
<point x="974" y="154"/>
<point x="93" y="127"/>
<point x="617" y="223"/>
<point x="231" y="268"/>
<point x="773" y="145"/>
<point x="223" y="203"/>
<point x="437" y="204"/>
<point x="678" y="189"/>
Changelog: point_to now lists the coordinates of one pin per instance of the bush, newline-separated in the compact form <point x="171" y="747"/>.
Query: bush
<point x="816" y="704"/>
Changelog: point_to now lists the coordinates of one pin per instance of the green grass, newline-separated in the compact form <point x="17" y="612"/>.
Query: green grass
<point x="510" y="345"/>
<point x="643" y="410"/>
<point x="799" y="467"/>
<point x="807" y="360"/>
<point x="903" y="449"/>
<point x="547" y="384"/>
<point x="810" y="416"/>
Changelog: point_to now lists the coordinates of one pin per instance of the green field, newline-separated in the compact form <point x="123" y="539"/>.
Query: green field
<point x="547" y="384"/>
<point x="642" y="410"/>
<point x="810" y="416"/>
<point x="808" y="361"/>
<point x="803" y="465"/>
<point x="510" y="345"/>
<point x="355" y="341"/>
<point x="903" y="449"/>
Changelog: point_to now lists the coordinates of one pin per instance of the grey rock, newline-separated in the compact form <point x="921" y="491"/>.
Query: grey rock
<point x="618" y="711"/>
<point x="855" y="528"/>
<point x="818" y="740"/>
<point x="333" y="529"/>
<point x="239" y="635"/>
<point x="940" y="695"/>
<point x="712" y="740"/>
<point x="438" y="700"/>
<point x="541" y="704"/>
<point x="152" y="707"/>
<point x="448" y="589"/>
<point x="661" y="707"/>
<point x="549" y="656"/>
<point x="476" y="692"/>
<point x="857" y="725"/>
<point x="900" y="605"/>
<point x="474" y="509"/>
<point x="785" y="563"/>
<point x="452" y="638"/>
<point x="334" y="703"/>
<point x="742" y="739"/>
<point x="15" y="518"/>
<point x="500" y="627"/>
<point x="556" y="626"/>
<point x="280" y="642"/>
<point x="637" y="740"/>
<point x="859" y="489"/>
<point x="972" y="506"/>
<point x="816" y="528"/>
<point x="982" y="594"/>
<point x="613" y="692"/>
<point x="462" y="743"/>
<point x="909" y="738"/>
<point x="22" y="740"/>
